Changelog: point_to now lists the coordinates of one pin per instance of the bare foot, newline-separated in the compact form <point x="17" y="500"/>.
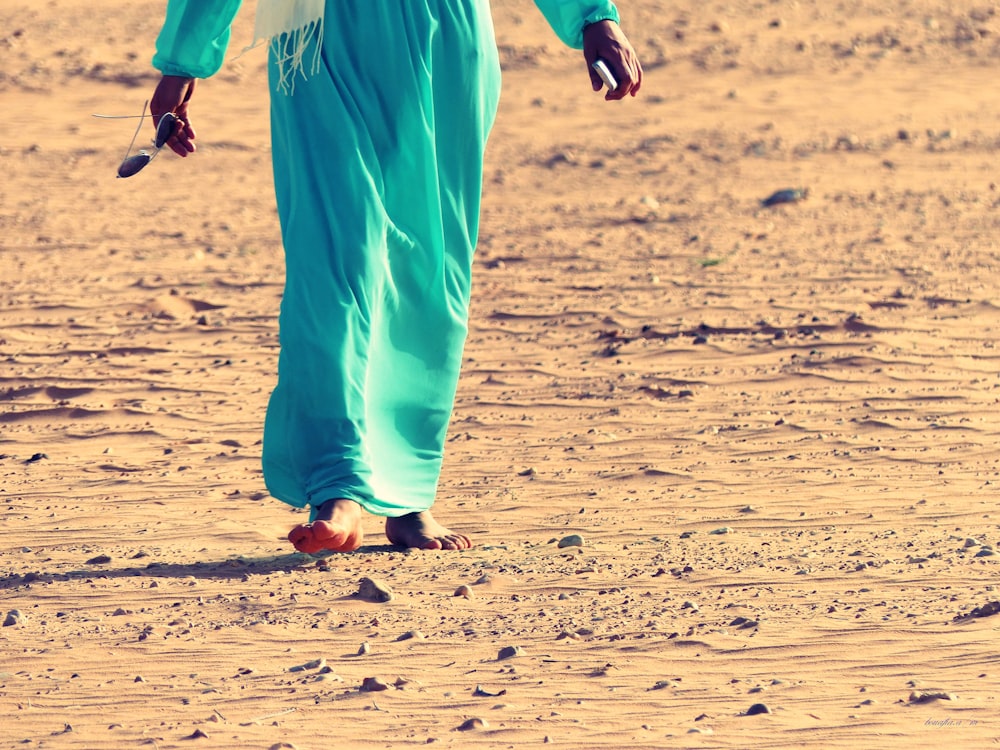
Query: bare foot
<point x="337" y="527"/>
<point x="420" y="530"/>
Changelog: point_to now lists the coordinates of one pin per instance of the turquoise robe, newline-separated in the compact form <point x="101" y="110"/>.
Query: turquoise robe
<point x="378" y="161"/>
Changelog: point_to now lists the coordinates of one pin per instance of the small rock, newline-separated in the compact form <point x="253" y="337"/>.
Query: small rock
<point x="373" y="685"/>
<point x="412" y="635"/>
<point x="465" y="591"/>
<point x="572" y="540"/>
<point x="509" y="652"/>
<point x="722" y="530"/>
<point x="972" y="542"/>
<point x="14" y="617"/>
<point x="472" y="724"/>
<point x="791" y="195"/>
<point x="364" y="648"/>
<point x="985" y="552"/>
<point x="197" y="734"/>
<point x="314" y="664"/>
<point x="758" y="708"/>
<point x="663" y="684"/>
<point x="926" y="696"/>
<point x="99" y="560"/>
<point x="986" y="610"/>
<point x="479" y="692"/>
<point x="374" y="590"/>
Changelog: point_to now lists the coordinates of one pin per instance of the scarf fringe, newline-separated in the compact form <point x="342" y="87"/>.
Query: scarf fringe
<point x="289" y="27"/>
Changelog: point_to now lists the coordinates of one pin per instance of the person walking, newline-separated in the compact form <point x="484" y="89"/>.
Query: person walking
<point x="380" y="111"/>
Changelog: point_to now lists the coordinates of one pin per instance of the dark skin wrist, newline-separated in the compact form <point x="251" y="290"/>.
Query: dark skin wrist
<point x="606" y="40"/>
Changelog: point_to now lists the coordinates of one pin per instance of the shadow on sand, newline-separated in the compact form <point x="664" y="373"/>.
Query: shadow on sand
<point x="235" y="568"/>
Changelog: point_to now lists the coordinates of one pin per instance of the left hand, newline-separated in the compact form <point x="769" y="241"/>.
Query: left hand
<point x="173" y="94"/>
<point x="605" y="39"/>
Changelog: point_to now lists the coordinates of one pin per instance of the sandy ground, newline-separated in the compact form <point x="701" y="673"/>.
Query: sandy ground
<point x="773" y="429"/>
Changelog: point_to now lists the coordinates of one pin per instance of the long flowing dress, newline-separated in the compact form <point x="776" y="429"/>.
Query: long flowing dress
<point x="377" y="159"/>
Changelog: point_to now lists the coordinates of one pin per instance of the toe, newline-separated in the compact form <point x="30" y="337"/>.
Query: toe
<point x="303" y="539"/>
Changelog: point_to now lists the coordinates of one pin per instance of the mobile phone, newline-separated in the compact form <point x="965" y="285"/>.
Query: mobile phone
<point x="604" y="71"/>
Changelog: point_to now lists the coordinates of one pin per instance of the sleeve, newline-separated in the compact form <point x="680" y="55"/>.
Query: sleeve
<point x="568" y="17"/>
<point x="195" y="37"/>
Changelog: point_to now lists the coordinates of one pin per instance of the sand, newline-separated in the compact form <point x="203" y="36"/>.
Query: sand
<point x="766" y="434"/>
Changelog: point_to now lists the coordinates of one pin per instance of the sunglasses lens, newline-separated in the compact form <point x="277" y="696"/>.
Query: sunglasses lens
<point x="133" y="164"/>
<point x="165" y="128"/>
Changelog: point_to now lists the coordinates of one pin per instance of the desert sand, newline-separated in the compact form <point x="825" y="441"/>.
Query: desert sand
<point x="765" y="436"/>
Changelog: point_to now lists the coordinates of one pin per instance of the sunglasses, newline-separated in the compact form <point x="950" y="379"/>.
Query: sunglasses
<point x="134" y="164"/>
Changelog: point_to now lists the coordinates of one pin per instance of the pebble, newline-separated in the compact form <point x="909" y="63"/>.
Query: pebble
<point x="723" y="530"/>
<point x="509" y="652"/>
<point x="373" y="685"/>
<point x="663" y="684"/>
<point x="374" y="590"/>
<point x="479" y="692"/>
<point x="926" y="696"/>
<point x="972" y="542"/>
<point x="14" y="617"/>
<point x="758" y="708"/>
<point x="99" y="560"/>
<point x="328" y="677"/>
<point x="472" y="724"/>
<point x="412" y="635"/>
<point x="784" y="196"/>
<point x="572" y="540"/>
<point x="465" y="591"/>
<point x="364" y="648"/>
<point x="985" y="552"/>
<point x="314" y="664"/>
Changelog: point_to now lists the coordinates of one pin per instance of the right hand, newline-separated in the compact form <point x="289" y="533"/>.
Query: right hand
<point x="606" y="40"/>
<point x="172" y="95"/>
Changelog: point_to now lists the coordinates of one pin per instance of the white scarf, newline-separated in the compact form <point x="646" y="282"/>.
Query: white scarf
<point x="302" y="22"/>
